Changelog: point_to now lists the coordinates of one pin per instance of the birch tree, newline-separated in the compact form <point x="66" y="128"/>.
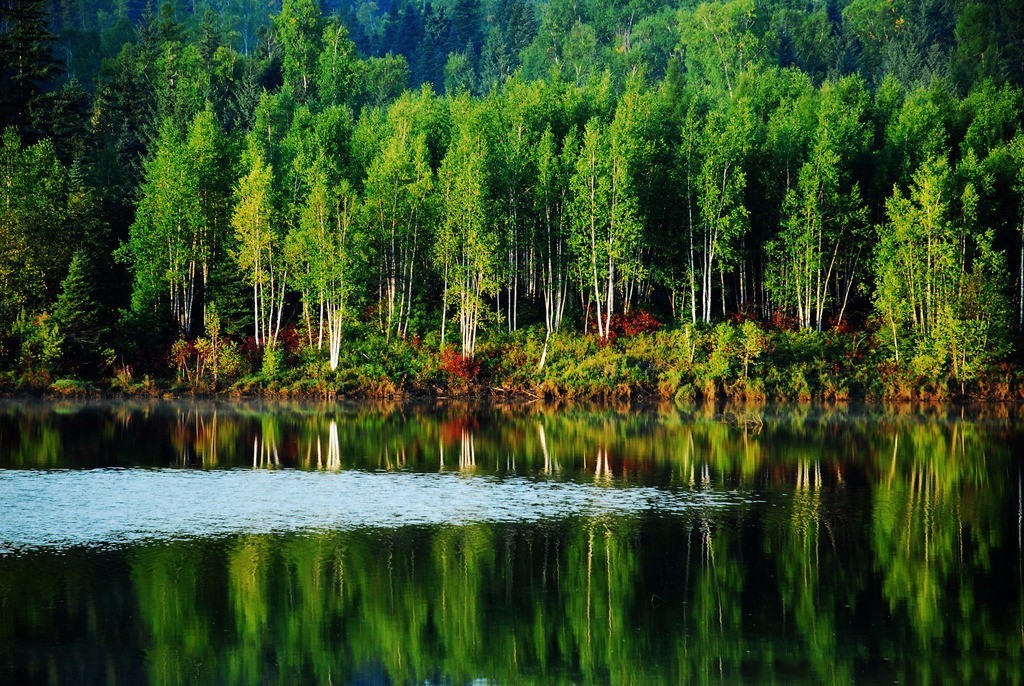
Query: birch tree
<point x="300" y="29"/>
<point x="259" y="250"/>
<point x="939" y="275"/>
<point x="712" y="152"/>
<point x="513" y="176"/>
<point x="604" y="225"/>
<point x="1017" y="148"/>
<point x="320" y="253"/>
<point x="816" y="257"/>
<point x="550" y="210"/>
<point x="466" y="246"/>
<point x="396" y="208"/>
<point x="164" y="240"/>
<point x="179" y="221"/>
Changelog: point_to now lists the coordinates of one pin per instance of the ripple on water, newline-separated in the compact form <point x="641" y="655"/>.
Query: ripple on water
<point x="102" y="507"/>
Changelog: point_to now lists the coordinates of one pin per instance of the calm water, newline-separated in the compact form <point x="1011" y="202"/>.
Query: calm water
<point x="173" y="543"/>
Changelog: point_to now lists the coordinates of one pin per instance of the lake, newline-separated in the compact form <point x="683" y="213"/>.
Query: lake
<point x="182" y="542"/>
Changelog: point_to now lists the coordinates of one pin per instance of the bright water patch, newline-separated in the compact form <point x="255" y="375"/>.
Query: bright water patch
<point x="101" y="507"/>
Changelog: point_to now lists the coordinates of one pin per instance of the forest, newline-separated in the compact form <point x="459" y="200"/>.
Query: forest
<point x="751" y="198"/>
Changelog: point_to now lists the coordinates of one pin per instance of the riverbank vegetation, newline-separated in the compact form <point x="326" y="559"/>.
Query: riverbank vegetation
<point x="769" y="199"/>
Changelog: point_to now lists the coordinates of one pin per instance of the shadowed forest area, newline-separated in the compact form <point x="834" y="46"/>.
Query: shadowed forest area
<point x="757" y="199"/>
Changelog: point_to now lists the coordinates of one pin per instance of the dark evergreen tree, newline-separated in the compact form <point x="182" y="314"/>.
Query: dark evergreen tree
<point x="27" y="65"/>
<point x="78" y="316"/>
<point x="467" y="24"/>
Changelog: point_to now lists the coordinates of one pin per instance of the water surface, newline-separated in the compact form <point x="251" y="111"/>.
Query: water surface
<point x="173" y="543"/>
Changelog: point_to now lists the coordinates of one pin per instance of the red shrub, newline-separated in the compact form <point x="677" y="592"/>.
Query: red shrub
<point x="453" y="363"/>
<point x="289" y="339"/>
<point x="784" y="322"/>
<point x="628" y="324"/>
<point x="634" y="322"/>
<point x="839" y="326"/>
<point x="251" y="352"/>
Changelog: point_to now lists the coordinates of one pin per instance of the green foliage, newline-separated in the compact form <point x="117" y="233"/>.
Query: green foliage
<point x="41" y="347"/>
<point x="272" y="363"/>
<point x="466" y="244"/>
<point x="699" y="161"/>
<point x="300" y="27"/>
<point x="34" y="206"/>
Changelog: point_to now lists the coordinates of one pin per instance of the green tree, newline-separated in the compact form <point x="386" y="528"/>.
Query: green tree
<point x="383" y="79"/>
<point x="321" y="251"/>
<point x="466" y="246"/>
<point x="337" y="66"/>
<point x="182" y="82"/>
<point x="77" y="314"/>
<point x="35" y="247"/>
<point x="719" y="40"/>
<point x="458" y="74"/>
<point x="605" y="227"/>
<point x="300" y="27"/>
<point x="396" y="207"/>
<point x="938" y="274"/>
<point x="258" y="240"/>
<point x="712" y="153"/>
<point x="551" y="234"/>
<point x="180" y="220"/>
<point x="816" y="255"/>
<point x="27" y="66"/>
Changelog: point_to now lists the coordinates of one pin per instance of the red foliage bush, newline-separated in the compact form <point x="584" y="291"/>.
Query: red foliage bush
<point x="746" y="313"/>
<point x="251" y="352"/>
<point x="627" y="324"/>
<point x="454" y="364"/>
<point x="289" y="339"/>
<point x="840" y="326"/>
<point x="634" y="322"/>
<point x="783" y="322"/>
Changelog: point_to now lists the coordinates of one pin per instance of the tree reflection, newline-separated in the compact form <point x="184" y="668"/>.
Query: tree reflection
<point x="863" y="547"/>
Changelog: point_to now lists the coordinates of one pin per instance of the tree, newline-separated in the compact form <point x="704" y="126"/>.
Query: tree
<point x="509" y="117"/>
<point x="383" y="79"/>
<point x="182" y="84"/>
<point x="321" y="253"/>
<point x="35" y="246"/>
<point x="258" y="239"/>
<point x="337" y="66"/>
<point x="396" y="207"/>
<point x="605" y="227"/>
<point x="77" y="314"/>
<point x="179" y="221"/>
<point x="711" y="155"/>
<point x="550" y="235"/>
<point x="719" y="41"/>
<point x="466" y="246"/>
<point x="458" y="74"/>
<point x="300" y="27"/>
<point x="816" y="255"/>
<point x="27" y="66"/>
<point x="1017" y="148"/>
<point x="938" y="274"/>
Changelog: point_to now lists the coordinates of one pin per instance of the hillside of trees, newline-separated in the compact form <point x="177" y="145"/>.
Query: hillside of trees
<point x="763" y="198"/>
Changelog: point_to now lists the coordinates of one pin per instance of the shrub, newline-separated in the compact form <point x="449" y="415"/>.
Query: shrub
<point x="627" y="324"/>
<point x="458" y="367"/>
<point x="273" y="362"/>
<point x="41" y="347"/>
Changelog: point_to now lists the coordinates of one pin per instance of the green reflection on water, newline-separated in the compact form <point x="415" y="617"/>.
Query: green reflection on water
<point x="874" y="547"/>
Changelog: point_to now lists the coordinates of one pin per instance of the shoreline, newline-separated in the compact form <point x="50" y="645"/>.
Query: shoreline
<point x="678" y="364"/>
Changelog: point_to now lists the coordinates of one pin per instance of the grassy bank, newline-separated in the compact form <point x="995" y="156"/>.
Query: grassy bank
<point x="740" y="361"/>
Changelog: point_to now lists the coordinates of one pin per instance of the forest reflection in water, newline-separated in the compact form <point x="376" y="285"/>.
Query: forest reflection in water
<point x="805" y="544"/>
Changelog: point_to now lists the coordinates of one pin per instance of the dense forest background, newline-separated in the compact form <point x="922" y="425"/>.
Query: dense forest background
<point x="230" y="190"/>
